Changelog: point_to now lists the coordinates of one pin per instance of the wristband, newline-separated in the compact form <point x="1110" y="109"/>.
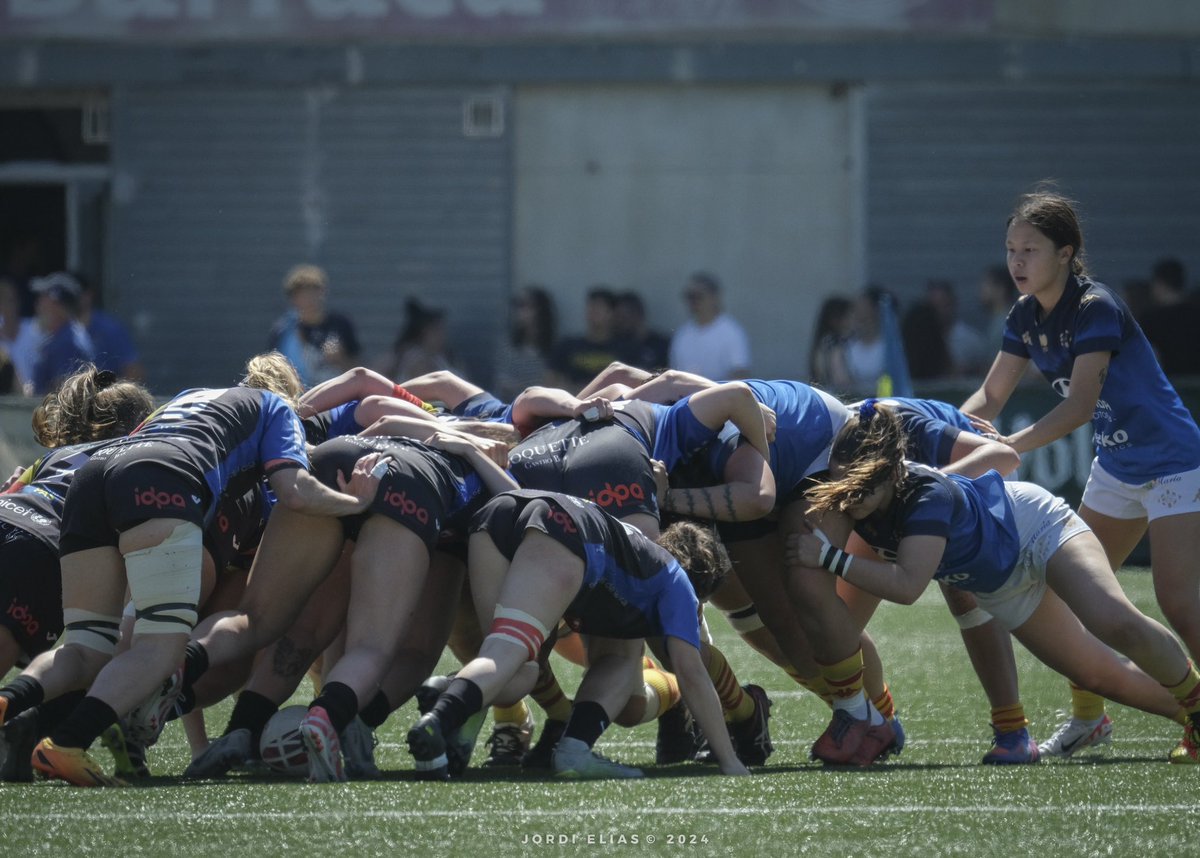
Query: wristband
<point x="380" y="469"/>
<point x="835" y="560"/>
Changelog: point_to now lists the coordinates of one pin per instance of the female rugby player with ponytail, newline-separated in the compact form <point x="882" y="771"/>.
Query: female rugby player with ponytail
<point x="133" y="517"/>
<point x="1146" y="473"/>
<point x="1028" y="559"/>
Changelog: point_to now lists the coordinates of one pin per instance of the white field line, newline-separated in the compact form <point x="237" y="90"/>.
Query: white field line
<point x="158" y="816"/>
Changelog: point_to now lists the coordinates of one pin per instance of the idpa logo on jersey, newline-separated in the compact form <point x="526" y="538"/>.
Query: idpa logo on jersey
<point x="402" y="502"/>
<point x="159" y="500"/>
<point x="22" y="615"/>
<point x="617" y="495"/>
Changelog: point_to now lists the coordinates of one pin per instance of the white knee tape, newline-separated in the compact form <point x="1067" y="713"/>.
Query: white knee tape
<point x="972" y="618"/>
<point x="94" y="631"/>
<point x="744" y="619"/>
<point x="705" y="632"/>
<point x="164" y="583"/>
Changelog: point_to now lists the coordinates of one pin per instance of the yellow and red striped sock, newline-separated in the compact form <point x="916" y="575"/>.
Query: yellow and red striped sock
<point x="1187" y="691"/>
<point x="845" y="679"/>
<point x="1006" y="719"/>
<point x="737" y="705"/>
<point x="548" y="694"/>
<point x="665" y="689"/>
<point x="885" y="704"/>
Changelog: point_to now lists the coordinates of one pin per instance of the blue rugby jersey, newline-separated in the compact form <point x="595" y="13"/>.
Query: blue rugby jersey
<point x="974" y="516"/>
<point x="1140" y="428"/>
<point x="334" y="423"/>
<point x="232" y="436"/>
<point x="806" y="420"/>
<point x="36" y="506"/>
<point x="632" y="587"/>
<point x="932" y="428"/>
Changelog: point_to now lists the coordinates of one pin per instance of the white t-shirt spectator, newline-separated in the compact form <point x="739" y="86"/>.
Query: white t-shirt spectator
<point x="719" y="350"/>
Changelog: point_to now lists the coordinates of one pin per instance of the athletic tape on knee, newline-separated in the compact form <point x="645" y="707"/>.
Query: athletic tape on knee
<point x="164" y="583"/>
<point x="973" y="618"/>
<point x="88" y="629"/>
<point x="744" y="619"/>
<point x="520" y="628"/>
<point x="705" y="632"/>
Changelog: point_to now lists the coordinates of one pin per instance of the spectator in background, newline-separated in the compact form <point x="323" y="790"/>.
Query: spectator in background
<point x="827" y="355"/>
<point x="64" y="343"/>
<point x="18" y="339"/>
<point x="25" y="257"/>
<point x="961" y="340"/>
<point x="997" y="294"/>
<point x="642" y="347"/>
<point x="1135" y="291"/>
<point x="420" y="347"/>
<point x="115" y="350"/>
<point x="925" y="343"/>
<point x="1172" y="321"/>
<point x="875" y="351"/>
<point x="523" y="358"/>
<point x="577" y="360"/>
<point x="320" y="343"/>
<point x="711" y="343"/>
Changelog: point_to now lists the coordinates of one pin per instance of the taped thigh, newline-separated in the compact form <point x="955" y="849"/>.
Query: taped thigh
<point x="519" y="628"/>
<point x="164" y="583"/>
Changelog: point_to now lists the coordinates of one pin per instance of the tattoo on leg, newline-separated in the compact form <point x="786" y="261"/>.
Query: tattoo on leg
<point x="712" y="510"/>
<point x="691" y="502"/>
<point x="729" y="502"/>
<point x="289" y="660"/>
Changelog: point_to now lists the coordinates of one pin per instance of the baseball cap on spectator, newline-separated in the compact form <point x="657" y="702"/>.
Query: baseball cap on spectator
<point x="60" y="286"/>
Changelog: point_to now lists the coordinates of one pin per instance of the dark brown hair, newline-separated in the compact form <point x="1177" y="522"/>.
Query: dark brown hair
<point x="1053" y="215"/>
<point x="871" y="447"/>
<point x="700" y="553"/>
<point x="91" y="405"/>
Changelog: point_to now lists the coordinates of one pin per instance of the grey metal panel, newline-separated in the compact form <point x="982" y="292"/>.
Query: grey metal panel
<point x="946" y="164"/>
<point x="681" y="60"/>
<point x="218" y="192"/>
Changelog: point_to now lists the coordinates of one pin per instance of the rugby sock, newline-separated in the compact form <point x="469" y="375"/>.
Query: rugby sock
<point x="648" y="663"/>
<point x="85" y="724"/>
<point x="251" y="712"/>
<point x="816" y="684"/>
<point x="195" y="662"/>
<point x="588" y="721"/>
<point x="1187" y="692"/>
<point x="885" y="704"/>
<point x="1085" y="705"/>
<point x="738" y="706"/>
<point x="662" y="692"/>
<point x="339" y="700"/>
<point x="1006" y="719"/>
<point x="377" y="711"/>
<point x="461" y="699"/>
<point x="845" y="681"/>
<point x="515" y="714"/>
<point x="51" y="713"/>
<point x="22" y="693"/>
<point x="548" y="694"/>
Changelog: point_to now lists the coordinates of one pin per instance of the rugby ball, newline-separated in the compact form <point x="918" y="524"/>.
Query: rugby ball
<point x="281" y="747"/>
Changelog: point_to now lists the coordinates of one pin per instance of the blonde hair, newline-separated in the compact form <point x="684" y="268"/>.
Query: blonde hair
<point x="871" y="447"/>
<point x="90" y="405"/>
<point x="274" y="372"/>
<point x="700" y="553"/>
<point x="304" y="276"/>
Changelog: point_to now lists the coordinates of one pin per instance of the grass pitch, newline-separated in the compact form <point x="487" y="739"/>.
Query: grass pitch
<point x="933" y="800"/>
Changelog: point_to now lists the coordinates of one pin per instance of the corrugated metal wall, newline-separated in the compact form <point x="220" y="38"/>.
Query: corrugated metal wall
<point x="217" y="192"/>
<point x="945" y="164"/>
